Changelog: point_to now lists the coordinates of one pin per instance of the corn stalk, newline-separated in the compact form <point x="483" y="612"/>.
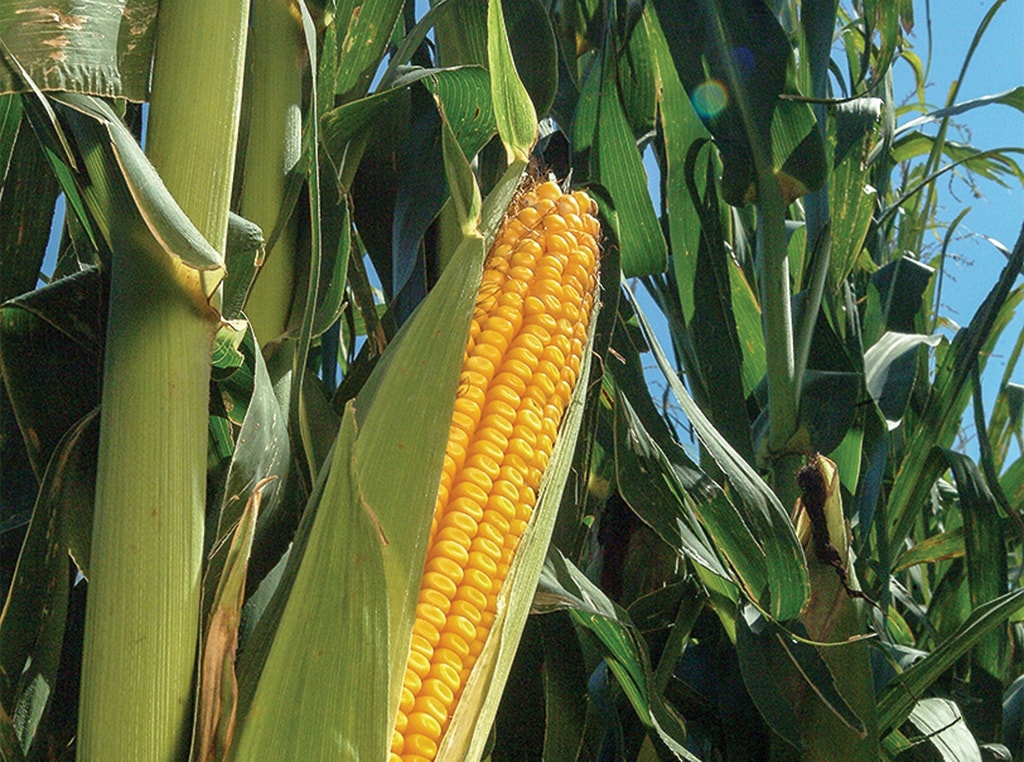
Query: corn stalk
<point x="142" y="624"/>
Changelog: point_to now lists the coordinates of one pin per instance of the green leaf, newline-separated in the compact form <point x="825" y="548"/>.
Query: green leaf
<point x="828" y="405"/>
<point x="712" y="331"/>
<point x="165" y="221"/>
<point x="299" y="414"/>
<point x="987" y="578"/>
<point x="51" y="343"/>
<point x="939" y="547"/>
<point x="638" y="72"/>
<point x="897" y="699"/>
<point x="364" y="34"/>
<point x="534" y="50"/>
<point x="603" y="139"/>
<point x="41" y="613"/>
<point x="732" y="58"/>
<point x="948" y="398"/>
<point x="681" y="128"/>
<point x="261" y="450"/>
<point x="562" y="585"/>
<point x="656" y="489"/>
<point x="939" y="721"/>
<point x="852" y="203"/>
<point x="992" y="164"/>
<point x="245" y="247"/>
<point x="764" y="659"/>
<point x="565" y="688"/>
<point x="420" y="191"/>
<point x="887" y="377"/>
<point x="854" y="123"/>
<point x="27" y="203"/>
<point x="901" y="284"/>
<point x="465" y="97"/>
<point x="331" y="645"/>
<point x="513" y="109"/>
<point x="763" y="516"/>
<point x="462" y="185"/>
<point x="85" y="46"/>
<point x="1013" y="98"/>
<point x="32" y="624"/>
<point x="336" y="232"/>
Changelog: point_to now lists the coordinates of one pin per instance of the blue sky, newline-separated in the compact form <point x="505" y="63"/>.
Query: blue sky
<point x="997" y="66"/>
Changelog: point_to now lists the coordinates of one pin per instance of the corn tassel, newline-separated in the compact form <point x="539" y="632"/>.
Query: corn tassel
<point x="526" y="344"/>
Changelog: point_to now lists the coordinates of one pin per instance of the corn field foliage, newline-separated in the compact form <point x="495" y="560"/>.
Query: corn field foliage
<point x="226" y="399"/>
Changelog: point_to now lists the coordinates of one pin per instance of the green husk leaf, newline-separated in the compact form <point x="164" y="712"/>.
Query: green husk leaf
<point x="331" y="644"/>
<point x="404" y="431"/>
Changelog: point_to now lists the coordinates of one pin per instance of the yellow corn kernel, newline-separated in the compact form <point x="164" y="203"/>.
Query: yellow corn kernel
<point x="527" y="337"/>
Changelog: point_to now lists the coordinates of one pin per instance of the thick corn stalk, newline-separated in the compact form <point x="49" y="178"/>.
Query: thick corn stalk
<point x="526" y="345"/>
<point x="274" y="146"/>
<point x="142" y="623"/>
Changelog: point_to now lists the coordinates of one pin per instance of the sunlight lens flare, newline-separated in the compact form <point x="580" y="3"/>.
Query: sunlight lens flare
<point x="710" y="98"/>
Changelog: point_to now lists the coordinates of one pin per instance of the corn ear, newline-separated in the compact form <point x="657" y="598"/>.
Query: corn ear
<point x="524" y="355"/>
<point x="833" y="615"/>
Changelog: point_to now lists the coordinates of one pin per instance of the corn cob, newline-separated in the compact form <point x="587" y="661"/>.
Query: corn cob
<point x="526" y="344"/>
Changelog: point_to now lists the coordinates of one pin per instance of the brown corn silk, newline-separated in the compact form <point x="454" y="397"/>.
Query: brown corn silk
<point x="526" y="344"/>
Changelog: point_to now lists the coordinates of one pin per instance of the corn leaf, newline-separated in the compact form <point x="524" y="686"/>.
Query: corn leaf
<point x="462" y="185"/>
<point x="164" y="220"/>
<point x="33" y="615"/>
<point x="897" y="699"/>
<point x="562" y="585"/>
<point x="513" y="109"/>
<point x="786" y="679"/>
<point x="657" y="490"/>
<point x="50" y="347"/>
<point x="943" y="546"/>
<point x="262" y="449"/>
<point x="939" y="721"/>
<point x="987" y="578"/>
<point x="366" y="35"/>
<point x="602" y="139"/>
<point x="948" y="396"/>
<point x="86" y="46"/>
<point x="534" y="50"/>
<point x="1013" y="98"/>
<point x="852" y="202"/>
<point x="27" y="203"/>
<point x="762" y="516"/>
<point x="218" y="685"/>
<point x="888" y="379"/>
<point x="681" y="128"/>
<point x="245" y="248"/>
